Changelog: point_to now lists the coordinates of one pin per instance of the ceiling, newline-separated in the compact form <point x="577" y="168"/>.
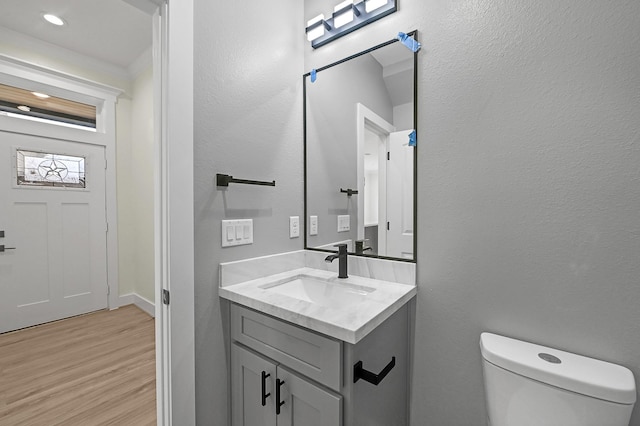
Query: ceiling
<point x="109" y="30"/>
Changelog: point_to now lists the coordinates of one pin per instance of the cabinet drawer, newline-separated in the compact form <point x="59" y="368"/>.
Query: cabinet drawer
<point x="316" y="356"/>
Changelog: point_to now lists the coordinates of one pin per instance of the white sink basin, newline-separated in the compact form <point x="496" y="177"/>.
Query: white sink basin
<point x="333" y="293"/>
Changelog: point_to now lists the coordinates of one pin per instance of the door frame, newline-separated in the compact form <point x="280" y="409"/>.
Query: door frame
<point x="21" y="73"/>
<point x="173" y="212"/>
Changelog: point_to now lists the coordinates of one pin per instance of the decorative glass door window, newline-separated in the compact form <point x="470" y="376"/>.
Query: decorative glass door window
<point x="51" y="170"/>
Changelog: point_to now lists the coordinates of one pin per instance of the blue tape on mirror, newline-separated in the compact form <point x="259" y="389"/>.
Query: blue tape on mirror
<point x="410" y="42"/>
<point x="412" y="138"/>
<point x="314" y="75"/>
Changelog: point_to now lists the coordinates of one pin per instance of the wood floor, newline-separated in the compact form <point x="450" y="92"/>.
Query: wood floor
<point x="95" y="369"/>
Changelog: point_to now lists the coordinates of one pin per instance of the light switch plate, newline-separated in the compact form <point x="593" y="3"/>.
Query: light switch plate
<point x="237" y="232"/>
<point x="313" y="225"/>
<point x="343" y="223"/>
<point x="294" y="226"/>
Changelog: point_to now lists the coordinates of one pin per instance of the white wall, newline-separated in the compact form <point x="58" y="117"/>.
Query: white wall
<point x="135" y="188"/>
<point x="57" y="58"/>
<point x="403" y="116"/>
<point x="528" y="153"/>
<point x="248" y="123"/>
<point x="142" y="183"/>
<point x="126" y="218"/>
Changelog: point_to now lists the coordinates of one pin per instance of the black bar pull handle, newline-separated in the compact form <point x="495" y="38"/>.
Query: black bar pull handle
<point x="360" y="373"/>
<point x="225" y="180"/>
<point x="279" y="403"/>
<point x="349" y="191"/>
<point x="265" y="395"/>
<point x="3" y="248"/>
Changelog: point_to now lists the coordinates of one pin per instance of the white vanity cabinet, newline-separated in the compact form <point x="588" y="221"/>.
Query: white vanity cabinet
<point x="284" y="374"/>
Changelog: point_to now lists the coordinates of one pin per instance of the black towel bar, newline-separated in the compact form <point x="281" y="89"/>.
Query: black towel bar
<point x="225" y="180"/>
<point x="349" y="191"/>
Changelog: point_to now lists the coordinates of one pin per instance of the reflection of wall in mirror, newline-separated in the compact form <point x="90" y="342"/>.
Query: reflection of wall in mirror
<point x="331" y="140"/>
<point x="403" y="116"/>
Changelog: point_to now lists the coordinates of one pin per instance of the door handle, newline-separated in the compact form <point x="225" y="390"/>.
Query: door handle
<point x="3" y="248"/>
<point x="264" y="388"/>
<point x="279" y="403"/>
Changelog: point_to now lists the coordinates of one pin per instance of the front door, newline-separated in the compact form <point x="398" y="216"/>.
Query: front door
<point x="52" y="212"/>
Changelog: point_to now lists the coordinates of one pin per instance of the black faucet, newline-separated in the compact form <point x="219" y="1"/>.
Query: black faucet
<point x="360" y="246"/>
<point x="342" y="260"/>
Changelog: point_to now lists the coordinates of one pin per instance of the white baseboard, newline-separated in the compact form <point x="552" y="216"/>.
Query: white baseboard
<point x="126" y="299"/>
<point x="139" y="301"/>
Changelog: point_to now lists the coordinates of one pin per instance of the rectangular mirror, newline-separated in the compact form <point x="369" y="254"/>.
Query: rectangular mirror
<point x="360" y="167"/>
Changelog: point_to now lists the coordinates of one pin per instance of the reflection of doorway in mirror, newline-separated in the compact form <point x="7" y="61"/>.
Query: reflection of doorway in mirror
<point x="372" y="137"/>
<point x="374" y="152"/>
<point x="385" y="182"/>
<point x="400" y="199"/>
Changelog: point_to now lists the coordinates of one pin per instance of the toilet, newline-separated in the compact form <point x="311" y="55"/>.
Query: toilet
<point x="527" y="384"/>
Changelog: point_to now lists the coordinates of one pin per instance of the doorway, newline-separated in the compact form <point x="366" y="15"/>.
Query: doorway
<point x="66" y="238"/>
<point x="173" y="195"/>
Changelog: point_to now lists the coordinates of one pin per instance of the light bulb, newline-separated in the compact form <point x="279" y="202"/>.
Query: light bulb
<point x="53" y="19"/>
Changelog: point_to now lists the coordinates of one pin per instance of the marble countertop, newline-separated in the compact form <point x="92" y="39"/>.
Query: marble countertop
<point x="349" y="324"/>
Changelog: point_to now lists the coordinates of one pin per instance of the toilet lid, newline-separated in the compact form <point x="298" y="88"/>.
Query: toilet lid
<point x="565" y="370"/>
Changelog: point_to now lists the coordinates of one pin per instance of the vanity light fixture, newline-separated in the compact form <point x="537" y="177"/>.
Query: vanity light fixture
<point x="316" y="27"/>
<point x="371" y="5"/>
<point x="343" y="13"/>
<point x="40" y="95"/>
<point x="53" y="19"/>
<point x="347" y="16"/>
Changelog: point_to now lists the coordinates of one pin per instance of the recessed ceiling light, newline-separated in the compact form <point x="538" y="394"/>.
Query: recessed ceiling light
<point x="40" y="95"/>
<point x="53" y="19"/>
<point x="24" y="108"/>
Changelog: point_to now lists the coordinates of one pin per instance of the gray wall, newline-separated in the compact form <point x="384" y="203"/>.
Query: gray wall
<point x="331" y="141"/>
<point x="528" y="192"/>
<point x="528" y="176"/>
<point x="248" y="123"/>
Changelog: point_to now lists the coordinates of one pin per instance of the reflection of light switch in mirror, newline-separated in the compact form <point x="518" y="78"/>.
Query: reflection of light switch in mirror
<point x="313" y="225"/>
<point x="237" y="232"/>
<point x="343" y="223"/>
<point x="294" y="226"/>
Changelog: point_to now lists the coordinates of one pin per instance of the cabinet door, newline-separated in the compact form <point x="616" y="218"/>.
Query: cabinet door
<point x="246" y="389"/>
<point x="306" y="404"/>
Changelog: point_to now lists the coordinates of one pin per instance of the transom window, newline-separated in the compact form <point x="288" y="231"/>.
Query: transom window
<point x="37" y="106"/>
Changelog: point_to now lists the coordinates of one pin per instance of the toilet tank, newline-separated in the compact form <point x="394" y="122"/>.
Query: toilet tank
<point x="528" y="384"/>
